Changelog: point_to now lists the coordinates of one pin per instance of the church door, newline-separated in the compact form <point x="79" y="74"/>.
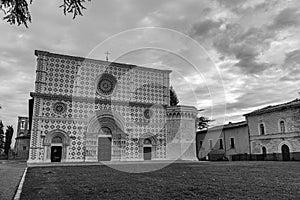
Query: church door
<point x="285" y="153"/>
<point x="104" y="148"/>
<point x="56" y="153"/>
<point x="147" y="153"/>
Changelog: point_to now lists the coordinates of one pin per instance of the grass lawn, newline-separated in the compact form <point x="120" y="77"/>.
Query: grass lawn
<point x="213" y="180"/>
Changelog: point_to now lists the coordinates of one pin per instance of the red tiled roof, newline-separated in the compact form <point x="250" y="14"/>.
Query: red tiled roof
<point x="291" y="104"/>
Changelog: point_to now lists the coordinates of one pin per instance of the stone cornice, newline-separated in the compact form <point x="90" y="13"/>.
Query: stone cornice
<point x="60" y="119"/>
<point x="23" y="137"/>
<point x="181" y="108"/>
<point x="90" y="100"/>
<point x="81" y="59"/>
<point x="275" y="136"/>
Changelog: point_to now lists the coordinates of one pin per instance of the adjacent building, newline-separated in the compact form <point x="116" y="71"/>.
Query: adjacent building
<point x="22" y="144"/>
<point x="275" y="132"/>
<point x="225" y="142"/>
<point x="87" y="110"/>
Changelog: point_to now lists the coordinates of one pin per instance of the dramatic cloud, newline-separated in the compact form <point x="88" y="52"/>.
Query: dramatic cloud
<point x="204" y="28"/>
<point x="289" y="17"/>
<point x="292" y="67"/>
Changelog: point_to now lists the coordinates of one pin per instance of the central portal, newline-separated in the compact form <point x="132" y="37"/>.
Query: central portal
<point x="105" y="138"/>
<point x="104" y="148"/>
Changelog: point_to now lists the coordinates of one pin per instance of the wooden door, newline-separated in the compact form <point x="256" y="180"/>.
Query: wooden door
<point x="56" y="153"/>
<point x="104" y="149"/>
<point x="147" y="153"/>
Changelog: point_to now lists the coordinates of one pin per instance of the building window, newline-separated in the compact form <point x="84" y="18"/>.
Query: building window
<point x="221" y="143"/>
<point x="22" y="125"/>
<point x="210" y="144"/>
<point x="282" y="126"/>
<point x="24" y="147"/>
<point x="232" y="144"/>
<point x="262" y="129"/>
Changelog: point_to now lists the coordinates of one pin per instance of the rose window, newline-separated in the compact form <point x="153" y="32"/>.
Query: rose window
<point x="59" y="108"/>
<point x="106" y="84"/>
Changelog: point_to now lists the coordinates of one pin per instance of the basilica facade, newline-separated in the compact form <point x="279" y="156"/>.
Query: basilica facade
<point x="87" y="110"/>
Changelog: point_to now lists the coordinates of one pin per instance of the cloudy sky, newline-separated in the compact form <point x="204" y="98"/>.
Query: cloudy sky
<point x="229" y="57"/>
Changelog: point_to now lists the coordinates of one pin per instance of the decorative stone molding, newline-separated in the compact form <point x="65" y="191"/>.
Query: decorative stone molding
<point x="150" y="136"/>
<point x="181" y="112"/>
<point x="89" y="60"/>
<point x="57" y="132"/>
<point x="99" y="119"/>
<point x="88" y="100"/>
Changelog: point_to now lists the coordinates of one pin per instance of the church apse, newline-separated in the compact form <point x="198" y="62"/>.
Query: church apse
<point x="107" y="111"/>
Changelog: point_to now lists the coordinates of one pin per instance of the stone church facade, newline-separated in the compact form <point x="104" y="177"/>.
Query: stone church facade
<point x="275" y="132"/>
<point x="88" y="110"/>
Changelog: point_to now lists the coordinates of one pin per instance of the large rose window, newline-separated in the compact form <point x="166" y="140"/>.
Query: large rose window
<point x="106" y="84"/>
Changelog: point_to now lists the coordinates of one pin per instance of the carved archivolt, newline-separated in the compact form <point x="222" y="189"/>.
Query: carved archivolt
<point x="57" y="133"/>
<point x="106" y="119"/>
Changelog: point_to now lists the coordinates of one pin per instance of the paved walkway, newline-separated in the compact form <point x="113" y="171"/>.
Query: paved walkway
<point x="57" y="164"/>
<point x="10" y="175"/>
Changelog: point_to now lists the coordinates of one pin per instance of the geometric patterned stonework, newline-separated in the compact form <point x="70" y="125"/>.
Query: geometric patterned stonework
<point x="81" y="100"/>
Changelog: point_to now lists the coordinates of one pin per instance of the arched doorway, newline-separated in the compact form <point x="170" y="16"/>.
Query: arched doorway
<point x="147" y="149"/>
<point x="56" y="143"/>
<point x="264" y="153"/>
<point x="105" y="137"/>
<point x="56" y="149"/>
<point x="104" y="144"/>
<point x="285" y="150"/>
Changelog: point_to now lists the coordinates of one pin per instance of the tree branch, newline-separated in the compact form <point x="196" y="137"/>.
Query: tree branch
<point x="17" y="11"/>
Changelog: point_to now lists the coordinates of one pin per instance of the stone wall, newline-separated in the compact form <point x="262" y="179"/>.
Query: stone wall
<point x="22" y="147"/>
<point x="181" y="133"/>
<point x="271" y="121"/>
<point x="241" y="138"/>
<point x="274" y="138"/>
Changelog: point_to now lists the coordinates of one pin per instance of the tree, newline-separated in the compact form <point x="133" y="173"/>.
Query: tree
<point x="173" y="97"/>
<point x="1" y="138"/>
<point x="17" y="11"/>
<point x="8" y="136"/>
<point x="203" y="122"/>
